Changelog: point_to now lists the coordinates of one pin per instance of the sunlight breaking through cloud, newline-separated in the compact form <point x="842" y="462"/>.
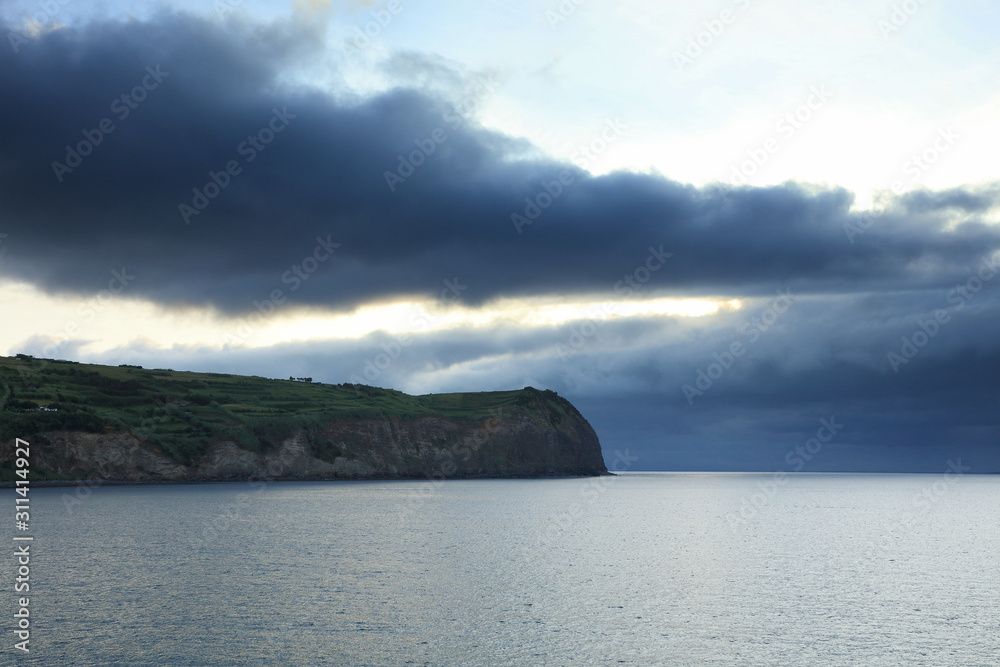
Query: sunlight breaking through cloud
<point x="59" y="320"/>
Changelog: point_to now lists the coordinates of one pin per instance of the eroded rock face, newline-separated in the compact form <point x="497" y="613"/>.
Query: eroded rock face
<point x="491" y="448"/>
<point x="108" y="456"/>
<point x="554" y="440"/>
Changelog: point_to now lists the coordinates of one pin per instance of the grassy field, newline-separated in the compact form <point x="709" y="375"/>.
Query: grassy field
<point x="180" y="413"/>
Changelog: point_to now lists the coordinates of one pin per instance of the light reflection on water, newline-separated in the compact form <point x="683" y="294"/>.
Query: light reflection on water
<point x="640" y="569"/>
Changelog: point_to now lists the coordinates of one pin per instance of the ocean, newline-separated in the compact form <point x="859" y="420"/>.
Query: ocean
<point x="638" y="569"/>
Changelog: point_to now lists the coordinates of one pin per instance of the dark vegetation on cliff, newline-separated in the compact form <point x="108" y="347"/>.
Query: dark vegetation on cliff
<point x="180" y="415"/>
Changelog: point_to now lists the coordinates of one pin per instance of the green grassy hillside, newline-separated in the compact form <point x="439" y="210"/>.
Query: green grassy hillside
<point x="179" y="414"/>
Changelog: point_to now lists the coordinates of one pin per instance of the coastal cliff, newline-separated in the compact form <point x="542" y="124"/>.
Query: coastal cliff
<point x="128" y="424"/>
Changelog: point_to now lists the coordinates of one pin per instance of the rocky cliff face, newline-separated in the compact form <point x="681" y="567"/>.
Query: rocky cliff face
<point x="544" y="437"/>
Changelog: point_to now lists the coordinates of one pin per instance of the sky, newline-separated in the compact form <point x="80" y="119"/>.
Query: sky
<point x="738" y="235"/>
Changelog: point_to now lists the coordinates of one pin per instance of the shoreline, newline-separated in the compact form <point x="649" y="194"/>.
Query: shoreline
<point x="56" y="483"/>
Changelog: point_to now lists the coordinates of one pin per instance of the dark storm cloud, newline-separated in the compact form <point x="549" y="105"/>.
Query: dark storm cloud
<point x="909" y="373"/>
<point x="207" y="88"/>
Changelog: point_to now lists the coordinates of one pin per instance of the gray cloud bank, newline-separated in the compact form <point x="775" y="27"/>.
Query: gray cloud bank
<point x="214" y="178"/>
<point x="181" y="149"/>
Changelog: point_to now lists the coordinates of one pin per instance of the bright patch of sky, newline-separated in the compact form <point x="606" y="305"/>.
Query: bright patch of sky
<point x="107" y="320"/>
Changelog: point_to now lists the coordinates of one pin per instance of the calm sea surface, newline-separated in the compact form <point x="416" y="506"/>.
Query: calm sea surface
<point x="642" y="569"/>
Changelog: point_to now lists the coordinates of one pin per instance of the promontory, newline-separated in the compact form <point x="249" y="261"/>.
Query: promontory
<point x="131" y="424"/>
